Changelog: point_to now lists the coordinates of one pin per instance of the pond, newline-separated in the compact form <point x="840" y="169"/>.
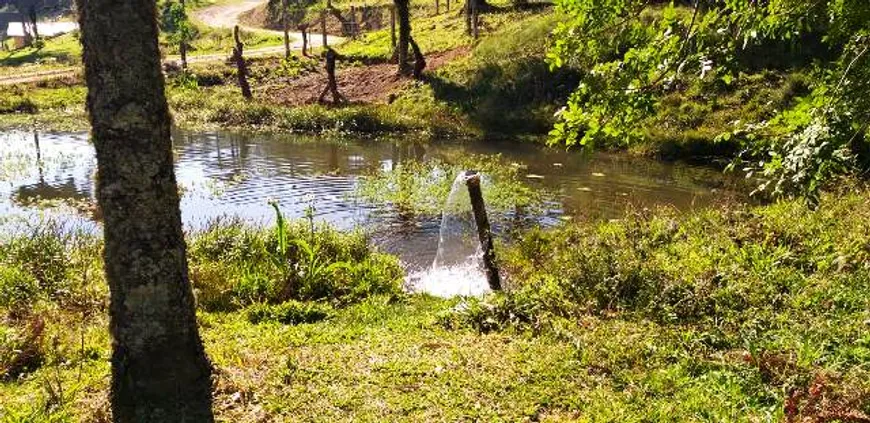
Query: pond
<point x="236" y="174"/>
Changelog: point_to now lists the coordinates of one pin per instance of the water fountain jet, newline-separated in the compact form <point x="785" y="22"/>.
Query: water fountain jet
<point x="465" y="261"/>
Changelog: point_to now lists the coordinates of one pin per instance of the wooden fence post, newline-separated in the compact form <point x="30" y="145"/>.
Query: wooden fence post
<point x="484" y="233"/>
<point x="241" y="67"/>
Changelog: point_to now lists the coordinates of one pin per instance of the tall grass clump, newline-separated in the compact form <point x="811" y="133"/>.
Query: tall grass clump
<point x="235" y="265"/>
<point x="773" y="296"/>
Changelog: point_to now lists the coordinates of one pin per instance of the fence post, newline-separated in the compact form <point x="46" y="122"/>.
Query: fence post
<point x="484" y="232"/>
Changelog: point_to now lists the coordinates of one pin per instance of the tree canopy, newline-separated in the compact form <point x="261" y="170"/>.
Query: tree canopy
<point x="632" y="52"/>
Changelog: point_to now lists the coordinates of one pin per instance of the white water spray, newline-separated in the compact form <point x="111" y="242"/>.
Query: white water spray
<point x="458" y="265"/>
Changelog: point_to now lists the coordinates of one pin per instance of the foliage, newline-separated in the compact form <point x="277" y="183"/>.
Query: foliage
<point x="634" y="52"/>
<point x="176" y="24"/>
<point x="423" y="186"/>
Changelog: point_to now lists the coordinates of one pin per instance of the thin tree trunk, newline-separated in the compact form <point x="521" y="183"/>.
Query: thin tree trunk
<point x="285" y="24"/>
<point x="303" y="29"/>
<point x="28" y="39"/>
<point x="241" y="66"/>
<point x="353" y="23"/>
<point x="393" y="27"/>
<point x="404" y="13"/>
<point x="33" y="19"/>
<point x="323" y="27"/>
<point x="466" y="10"/>
<point x="159" y="369"/>
<point x="474" y="19"/>
<point x="437" y="7"/>
<point x="182" y="48"/>
<point x="419" y="60"/>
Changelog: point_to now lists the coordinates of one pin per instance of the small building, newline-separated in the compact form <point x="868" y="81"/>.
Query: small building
<point x="20" y="32"/>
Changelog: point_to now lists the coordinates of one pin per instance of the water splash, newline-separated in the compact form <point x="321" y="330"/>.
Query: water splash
<point x="458" y="265"/>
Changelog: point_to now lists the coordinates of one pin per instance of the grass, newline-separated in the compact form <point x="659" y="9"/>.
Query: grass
<point x="689" y="122"/>
<point x="54" y="104"/>
<point x="747" y="314"/>
<point x="61" y="51"/>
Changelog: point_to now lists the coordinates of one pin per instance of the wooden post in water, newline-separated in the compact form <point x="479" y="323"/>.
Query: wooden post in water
<point x="484" y="233"/>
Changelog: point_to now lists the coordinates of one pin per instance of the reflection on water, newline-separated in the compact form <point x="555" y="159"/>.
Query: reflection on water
<point x="223" y="173"/>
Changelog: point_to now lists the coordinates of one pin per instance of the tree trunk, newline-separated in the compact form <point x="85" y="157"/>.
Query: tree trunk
<point x="474" y="19"/>
<point x="404" y="14"/>
<point x="159" y="369"/>
<point x="303" y="29"/>
<point x="285" y="24"/>
<point x="466" y="10"/>
<point x="28" y="40"/>
<point x="182" y="48"/>
<point x="393" y="28"/>
<point x="323" y="28"/>
<point x="419" y="60"/>
<point x="33" y="19"/>
<point x="241" y="66"/>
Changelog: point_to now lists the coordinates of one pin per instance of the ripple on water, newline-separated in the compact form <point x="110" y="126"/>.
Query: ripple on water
<point x="224" y="174"/>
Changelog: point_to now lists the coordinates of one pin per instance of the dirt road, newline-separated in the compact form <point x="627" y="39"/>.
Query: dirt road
<point x="219" y="16"/>
<point x="227" y="16"/>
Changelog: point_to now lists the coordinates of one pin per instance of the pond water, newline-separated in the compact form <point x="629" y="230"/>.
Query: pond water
<point x="234" y="174"/>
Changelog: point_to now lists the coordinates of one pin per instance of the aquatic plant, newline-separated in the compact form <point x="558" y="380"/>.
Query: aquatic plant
<point x="422" y="187"/>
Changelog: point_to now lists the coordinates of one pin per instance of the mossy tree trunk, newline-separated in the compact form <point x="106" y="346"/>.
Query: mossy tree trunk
<point x="404" y="15"/>
<point x="159" y="369"/>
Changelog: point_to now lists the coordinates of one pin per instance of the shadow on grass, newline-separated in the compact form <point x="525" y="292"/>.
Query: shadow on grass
<point x="514" y="97"/>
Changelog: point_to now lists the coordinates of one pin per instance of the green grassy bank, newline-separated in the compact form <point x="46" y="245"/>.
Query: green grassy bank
<point x="745" y="314"/>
